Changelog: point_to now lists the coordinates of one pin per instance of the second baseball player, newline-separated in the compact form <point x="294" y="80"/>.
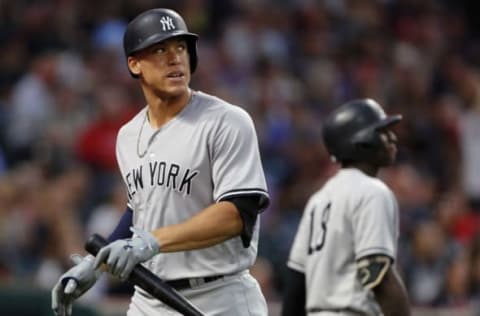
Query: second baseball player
<point x="342" y="261"/>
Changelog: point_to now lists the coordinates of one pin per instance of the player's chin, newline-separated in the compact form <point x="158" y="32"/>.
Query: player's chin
<point x="176" y="89"/>
<point x="386" y="156"/>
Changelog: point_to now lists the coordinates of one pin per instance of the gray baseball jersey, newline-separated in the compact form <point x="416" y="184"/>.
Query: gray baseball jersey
<point x="351" y="217"/>
<point x="208" y="152"/>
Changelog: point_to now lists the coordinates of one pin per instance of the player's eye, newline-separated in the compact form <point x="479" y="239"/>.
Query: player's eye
<point x="159" y="49"/>
<point x="388" y="136"/>
<point x="181" y="47"/>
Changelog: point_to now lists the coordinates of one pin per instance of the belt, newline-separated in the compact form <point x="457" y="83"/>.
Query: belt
<point x="182" y="284"/>
<point x="347" y="310"/>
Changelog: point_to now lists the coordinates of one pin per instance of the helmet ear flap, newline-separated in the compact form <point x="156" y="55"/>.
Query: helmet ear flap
<point x="192" y="52"/>
<point x="364" y="136"/>
<point x="367" y="142"/>
<point x="363" y="147"/>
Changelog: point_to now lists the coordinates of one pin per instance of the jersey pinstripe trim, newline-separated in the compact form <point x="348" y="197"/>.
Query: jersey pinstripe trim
<point x="296" y="266"/>
<point x="375" y="251"/>
<point x="240" y="192"/>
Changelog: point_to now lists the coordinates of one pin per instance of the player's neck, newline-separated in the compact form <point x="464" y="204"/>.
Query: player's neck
<point x="162" y="110"/>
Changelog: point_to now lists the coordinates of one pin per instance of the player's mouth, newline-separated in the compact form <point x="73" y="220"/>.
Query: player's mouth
<point x="176" y="75"/>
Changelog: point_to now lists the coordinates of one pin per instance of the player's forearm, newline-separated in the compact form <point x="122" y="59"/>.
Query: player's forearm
<point x="392" y="296"/>
<point x="216" y="223"/>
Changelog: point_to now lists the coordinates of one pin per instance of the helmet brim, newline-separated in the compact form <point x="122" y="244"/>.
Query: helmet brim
<point x="158" y="38"/>
<point x="389" y="121"/>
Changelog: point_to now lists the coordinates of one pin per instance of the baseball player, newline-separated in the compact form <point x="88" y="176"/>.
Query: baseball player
<point x="195" y="183"/>
<point x="342" y="261"/>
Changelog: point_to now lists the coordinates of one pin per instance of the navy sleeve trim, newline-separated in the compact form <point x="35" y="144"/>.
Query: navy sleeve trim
<point x="264" y="198"/>
<point x="248" y="208"/>
<point x="122" y="230"/>
<point x="375" y="251"/>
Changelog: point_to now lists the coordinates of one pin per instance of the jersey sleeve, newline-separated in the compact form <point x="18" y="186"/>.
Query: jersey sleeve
<point x="236" y="165"/>
<point x="375" y="226"/>
<point x="299" y="250"/>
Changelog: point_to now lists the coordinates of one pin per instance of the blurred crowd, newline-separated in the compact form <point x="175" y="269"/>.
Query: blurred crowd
<point x="65" y="90"/>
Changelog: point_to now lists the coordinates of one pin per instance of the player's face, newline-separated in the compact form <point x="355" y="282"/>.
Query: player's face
<point x="389" y="143"/>
<point x="164" y="67"/>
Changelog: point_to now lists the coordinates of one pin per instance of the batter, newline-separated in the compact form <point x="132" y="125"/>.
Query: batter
<point x="195" y="184"/>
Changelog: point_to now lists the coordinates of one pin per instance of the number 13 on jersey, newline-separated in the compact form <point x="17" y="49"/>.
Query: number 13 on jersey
<point x="318" y="232"/>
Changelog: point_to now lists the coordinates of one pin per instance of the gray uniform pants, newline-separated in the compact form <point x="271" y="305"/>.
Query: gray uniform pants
<point x="235" y="295"/>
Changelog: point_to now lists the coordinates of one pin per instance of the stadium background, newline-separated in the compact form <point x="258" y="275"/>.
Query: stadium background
<point x="65" y="90"/>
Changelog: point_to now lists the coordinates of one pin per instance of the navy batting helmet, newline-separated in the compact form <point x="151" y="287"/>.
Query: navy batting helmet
<point x="154" y="26"/>
<point x="350" y="133"/>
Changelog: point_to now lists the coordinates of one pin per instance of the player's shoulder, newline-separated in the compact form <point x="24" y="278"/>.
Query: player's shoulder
<point x="365" y="185"/>
<point x="210" y="106"/>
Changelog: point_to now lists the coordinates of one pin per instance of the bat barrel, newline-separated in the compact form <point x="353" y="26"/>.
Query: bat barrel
<point x="148" y="281"/>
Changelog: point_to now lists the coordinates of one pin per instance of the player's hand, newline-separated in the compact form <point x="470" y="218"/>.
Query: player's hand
<point x="73" y="283"/>
<point x="121" y="256"/>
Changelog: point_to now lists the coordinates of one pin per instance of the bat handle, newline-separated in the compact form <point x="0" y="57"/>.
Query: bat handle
<point x="148" y="281"/>
<point x="95" y="243"/>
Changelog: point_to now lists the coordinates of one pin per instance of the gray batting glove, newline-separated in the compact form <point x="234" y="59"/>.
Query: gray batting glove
<point x="121" y="256"/>
<point x="73" y="283"/>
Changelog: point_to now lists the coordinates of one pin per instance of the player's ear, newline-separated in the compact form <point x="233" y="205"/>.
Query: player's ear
<point x="133" y="65"/>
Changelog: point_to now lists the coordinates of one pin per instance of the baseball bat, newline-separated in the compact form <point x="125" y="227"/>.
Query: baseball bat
<point x="148" y="281"/>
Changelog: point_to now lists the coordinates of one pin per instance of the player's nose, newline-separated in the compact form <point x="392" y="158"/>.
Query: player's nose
<point x="173" y="56"/>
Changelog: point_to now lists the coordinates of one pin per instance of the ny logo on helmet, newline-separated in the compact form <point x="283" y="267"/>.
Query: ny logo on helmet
<point x="167" y="23"/>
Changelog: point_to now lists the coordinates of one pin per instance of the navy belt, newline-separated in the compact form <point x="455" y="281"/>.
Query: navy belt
<point x="335" y="310"/>
<point x="182" y="284"/>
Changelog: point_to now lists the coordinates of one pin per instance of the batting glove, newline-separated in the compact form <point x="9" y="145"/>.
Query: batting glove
<point x="121" y="256"/>
<point x="73" y="283"/>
